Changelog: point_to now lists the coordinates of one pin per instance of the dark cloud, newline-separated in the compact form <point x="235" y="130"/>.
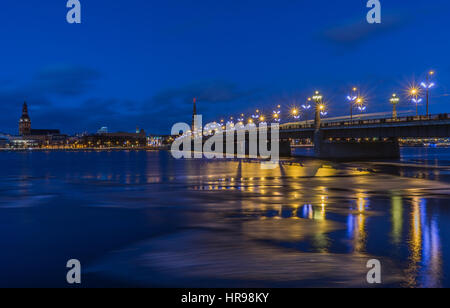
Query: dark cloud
<point x="208" y="92"/>
<point x="65" y="80"/>
<point x="359" y="30"/>
<point x="156" y="114"/>
<point x="62" y="83"/>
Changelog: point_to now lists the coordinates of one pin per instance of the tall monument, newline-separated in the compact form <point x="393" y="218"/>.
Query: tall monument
<point x="194" y="113"/>
<point x="25" y="122"/>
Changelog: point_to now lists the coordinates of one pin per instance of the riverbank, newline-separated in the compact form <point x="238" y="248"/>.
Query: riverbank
<point x="87" y="149"/>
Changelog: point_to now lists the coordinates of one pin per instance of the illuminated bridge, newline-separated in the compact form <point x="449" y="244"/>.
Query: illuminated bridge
<point x="374" y="138"/>
<point x="436" y="126"/>
<point x="343" y="138"/>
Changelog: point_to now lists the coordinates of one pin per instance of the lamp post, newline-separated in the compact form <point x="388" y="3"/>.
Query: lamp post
<point x="352" y="98"/>
<point x="256" y="115"/>
<point x="394" y="101"/>
<point x="241" y="119"/>
<point x="359" y="102"/>
<point x="414" y="93"/>
<point x="277" y="114"/>
<point x="427" y="86"/>
<point x="307" y="107"/>
<point x="318" y="101"/>
<point x="295" y="113"/>
<point x="323" y="110"/>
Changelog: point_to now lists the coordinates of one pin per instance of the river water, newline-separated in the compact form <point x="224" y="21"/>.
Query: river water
<point x="146" y="219"/>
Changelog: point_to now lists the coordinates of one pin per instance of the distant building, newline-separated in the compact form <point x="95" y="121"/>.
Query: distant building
<point x="159" y="141"/>
<point x="45" y="132"/>
<point x="20" y="143"/>
<point x="115" y="140"/>
<point x="25" y="126"/>
<point x="103" y="130"/>
<point x="4" y="142"/>
<point x="25" y="122"/>
<point x="37" y="137"/>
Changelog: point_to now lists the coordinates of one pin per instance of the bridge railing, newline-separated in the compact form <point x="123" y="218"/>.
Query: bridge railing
<point x="409" y="119"/>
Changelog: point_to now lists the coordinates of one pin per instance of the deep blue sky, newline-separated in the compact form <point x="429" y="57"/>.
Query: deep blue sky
<point x="139" y="63"/>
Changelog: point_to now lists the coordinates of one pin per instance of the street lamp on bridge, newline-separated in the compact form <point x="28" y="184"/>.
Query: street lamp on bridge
<point x="306" y="107"/>
<point x="277" y="114"/>
<point x="295" y="113"/>
<point x="323" y="110"/>
<point x="414" y="93"/>
<point x="352" y="98"/>
<point x="318" y="98"/>
<point x="427" y="85"/>
<point x="394" y="100"/>
<point x="262" y="119"/>
<point x="241" y="119"/>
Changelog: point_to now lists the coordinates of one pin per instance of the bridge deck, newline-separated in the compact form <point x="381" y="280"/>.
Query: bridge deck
<point x="436" y="126"/>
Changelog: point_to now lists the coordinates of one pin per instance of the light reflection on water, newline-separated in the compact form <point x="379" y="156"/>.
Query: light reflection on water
<point x="319" y="222"/>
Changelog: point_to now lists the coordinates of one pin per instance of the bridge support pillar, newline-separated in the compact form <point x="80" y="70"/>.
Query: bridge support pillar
<point x="284" y="148"/>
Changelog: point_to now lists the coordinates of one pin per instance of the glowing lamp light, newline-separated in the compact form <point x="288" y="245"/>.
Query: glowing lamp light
<point x="427" y="85"/>
<point x="317" y="96"/>
<point x="394" y="99"/>
<point x="306" y="107"/>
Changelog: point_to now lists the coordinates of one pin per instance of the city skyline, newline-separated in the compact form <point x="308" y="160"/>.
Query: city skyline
<point x="126" y="65"/>
<point x="210" y="149"/>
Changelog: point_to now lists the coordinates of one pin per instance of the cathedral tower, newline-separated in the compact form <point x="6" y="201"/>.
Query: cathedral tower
<point x="25" y="122"/>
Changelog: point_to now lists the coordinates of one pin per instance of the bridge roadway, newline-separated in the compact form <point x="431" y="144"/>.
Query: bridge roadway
<point x="434" y="126"/>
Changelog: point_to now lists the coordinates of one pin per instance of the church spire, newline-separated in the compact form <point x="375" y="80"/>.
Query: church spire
<point x="25" y="110"/>
<point x="194" y="113"/>
<point x="25" y="122"/>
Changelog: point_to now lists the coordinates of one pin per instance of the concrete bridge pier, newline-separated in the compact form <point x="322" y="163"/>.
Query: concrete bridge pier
<point x="284" y="147"/>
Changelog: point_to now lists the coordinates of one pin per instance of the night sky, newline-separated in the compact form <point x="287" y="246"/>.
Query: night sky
<point x="139" y="63"/>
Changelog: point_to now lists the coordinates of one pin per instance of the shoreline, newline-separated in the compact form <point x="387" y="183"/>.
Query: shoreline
<point x="165" y="148"/>
<point x="87" y="149"/>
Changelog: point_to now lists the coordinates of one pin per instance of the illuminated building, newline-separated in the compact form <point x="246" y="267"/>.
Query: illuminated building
<point x="115" y="140"/>
<point x="25" y="122"/>
<point x="159" y="141"/>
<point x="25" y="126"/>
<point x="103" y="130"/>
<point x="36" y="137"/>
